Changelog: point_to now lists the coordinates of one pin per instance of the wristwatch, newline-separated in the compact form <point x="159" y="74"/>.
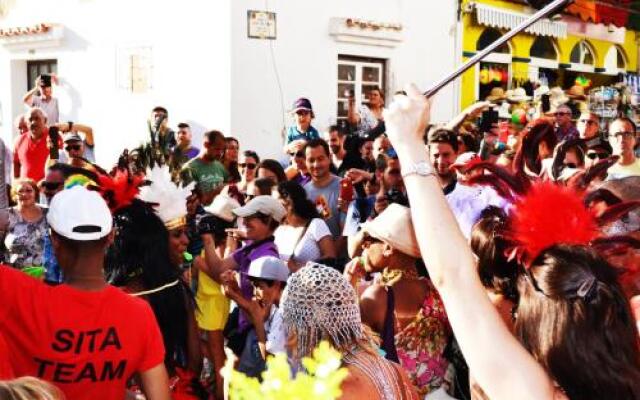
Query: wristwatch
<point x="422" y="168"/>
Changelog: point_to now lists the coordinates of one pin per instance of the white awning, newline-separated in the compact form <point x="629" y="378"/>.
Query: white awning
<point x="506" y="19"/>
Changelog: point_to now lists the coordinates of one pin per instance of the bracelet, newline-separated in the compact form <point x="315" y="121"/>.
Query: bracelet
<point x="421" y="168"/>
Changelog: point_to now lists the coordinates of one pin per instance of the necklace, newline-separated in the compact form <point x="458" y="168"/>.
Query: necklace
<point x="391" y="276"/>
<point x="379" y="372"/>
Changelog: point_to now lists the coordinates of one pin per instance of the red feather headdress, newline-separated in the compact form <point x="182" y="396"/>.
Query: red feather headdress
<point x="550" y="214"/>
<point x="121" y="189"/>
<point x="546" y="213"/>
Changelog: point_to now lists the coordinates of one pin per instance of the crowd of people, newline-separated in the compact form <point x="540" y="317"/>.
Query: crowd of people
<point x="492" y="257"/>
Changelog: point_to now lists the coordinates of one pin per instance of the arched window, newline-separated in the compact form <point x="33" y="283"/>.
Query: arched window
<point x="543" y="47"/>
<point x="615" y="61"/>
<point x="489" y="36"/>
<point x="582" y="53"/>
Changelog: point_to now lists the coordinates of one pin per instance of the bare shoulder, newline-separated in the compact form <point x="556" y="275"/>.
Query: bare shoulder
<point x="409" y="391"/>
<point x="373" y="306"/>
<point x="357" y="386"/>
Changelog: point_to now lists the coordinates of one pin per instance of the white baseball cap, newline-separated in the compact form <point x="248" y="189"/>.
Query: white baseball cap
<point x="79" y="214"/>
<point x="266" y="205"/>
<point x="268" y="267"/>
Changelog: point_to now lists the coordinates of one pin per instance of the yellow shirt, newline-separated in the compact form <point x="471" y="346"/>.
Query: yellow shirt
<point x="618" y="171"/>
<point x="213" y="306"/>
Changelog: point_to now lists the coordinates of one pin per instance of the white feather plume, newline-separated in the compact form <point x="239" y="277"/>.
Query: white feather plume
<point x="171" y="199"/>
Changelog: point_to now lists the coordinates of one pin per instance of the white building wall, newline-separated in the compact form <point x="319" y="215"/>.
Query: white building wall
<point x="305" y="56"/>
<point x="190" y="46"/>
<point x="205" y="69"/>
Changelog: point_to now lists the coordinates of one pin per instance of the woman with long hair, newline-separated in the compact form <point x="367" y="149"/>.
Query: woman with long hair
<point x="27" y="229"/>
<point x="576" y="337"/>
<point x="145" y="259"/>
<point x="498" y="274"/>
<point x="271" y="169"/>
<point x="230" y="158"/>
<point x="303" y="236"/>
<point x="319" y="304"/>
<point x="247" y="166"/>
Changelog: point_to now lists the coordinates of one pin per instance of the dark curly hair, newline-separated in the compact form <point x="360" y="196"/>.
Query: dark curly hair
<point x="302" y="206"/>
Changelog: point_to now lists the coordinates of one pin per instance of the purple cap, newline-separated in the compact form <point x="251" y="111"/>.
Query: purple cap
<point x="302" y="104"/>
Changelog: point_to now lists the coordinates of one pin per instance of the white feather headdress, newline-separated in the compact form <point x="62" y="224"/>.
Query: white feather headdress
<point x="170" y="200"/>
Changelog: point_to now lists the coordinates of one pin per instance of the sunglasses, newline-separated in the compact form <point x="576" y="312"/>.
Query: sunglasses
<point x="593" y="155"/>
<point x="50" y="185"/>
<point x="622" y="135"/>
<point x="248" y="165"/>
<point x="571" y="165"/>
<point x="299" y="154"/>
<point x="70" y="147"/>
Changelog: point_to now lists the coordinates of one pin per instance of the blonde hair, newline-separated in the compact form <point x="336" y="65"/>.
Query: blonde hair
<point x="23" y="181"/>
<point x="29" y="388"/>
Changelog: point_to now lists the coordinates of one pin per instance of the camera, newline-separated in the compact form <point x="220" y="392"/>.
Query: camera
<point x="396" y="196"/>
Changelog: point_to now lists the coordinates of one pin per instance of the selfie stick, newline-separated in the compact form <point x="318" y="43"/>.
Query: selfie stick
<point x="549" y="9"/>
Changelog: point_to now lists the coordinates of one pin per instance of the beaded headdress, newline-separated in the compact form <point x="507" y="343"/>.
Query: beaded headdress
<point x="318" y="304"/>
<point x="169" y="199"/>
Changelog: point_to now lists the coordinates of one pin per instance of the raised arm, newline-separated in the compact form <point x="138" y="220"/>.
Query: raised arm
<point x="499" y="362"/>
<point x="473" y="110"/>
<point x="214" y="266"/>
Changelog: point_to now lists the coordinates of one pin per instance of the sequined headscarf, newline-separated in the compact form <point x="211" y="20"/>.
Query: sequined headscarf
<point x="319" y="304"/>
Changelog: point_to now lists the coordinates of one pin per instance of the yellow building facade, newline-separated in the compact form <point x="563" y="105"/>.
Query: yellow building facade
<point x="571" y="48"/>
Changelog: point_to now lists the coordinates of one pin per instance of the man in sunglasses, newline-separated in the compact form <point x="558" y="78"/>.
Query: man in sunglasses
<point x="589" y="130"/>
<point x="623" y="140"/>
<point x="565" y="130"/>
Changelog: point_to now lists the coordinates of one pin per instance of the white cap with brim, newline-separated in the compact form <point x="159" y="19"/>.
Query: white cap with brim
<point x="79" y="214"/>
<point x="270" y="268"/>
<point x="265" y="205"/>
<point x="394" y="226"/>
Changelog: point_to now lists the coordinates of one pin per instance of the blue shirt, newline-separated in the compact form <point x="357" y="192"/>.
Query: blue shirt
<point x="294" y="134"/>
<point x="53" y="273"/>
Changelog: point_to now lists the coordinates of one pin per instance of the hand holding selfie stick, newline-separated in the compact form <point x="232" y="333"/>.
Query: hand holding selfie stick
<point x="546" y="11"/>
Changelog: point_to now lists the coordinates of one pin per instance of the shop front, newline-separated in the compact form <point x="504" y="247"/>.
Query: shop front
<point x="563" y="51"/>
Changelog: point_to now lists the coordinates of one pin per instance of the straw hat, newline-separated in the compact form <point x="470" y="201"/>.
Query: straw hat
<point x="557" y="97"/>
<point x="540" y="91"/>
<point x="496" y="94"/>
<point x="394" y="227"/>
<point x="576" y="92"/>
<point x="519" y="96"/>
<point x="503" y="111"/>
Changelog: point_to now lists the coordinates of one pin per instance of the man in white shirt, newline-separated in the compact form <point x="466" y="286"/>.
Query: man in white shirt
<point x="623" y="140"/>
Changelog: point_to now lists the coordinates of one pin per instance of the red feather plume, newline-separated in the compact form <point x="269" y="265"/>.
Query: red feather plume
<point x="550" y="214"/>
<point x="120" y="189"/>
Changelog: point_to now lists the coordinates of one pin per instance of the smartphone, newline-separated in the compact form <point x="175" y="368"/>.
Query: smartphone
<point x="489" y="118"/>
<point x="54" y="136"/>
<point x="546" y="104"/>
<point x="346" y="190"/>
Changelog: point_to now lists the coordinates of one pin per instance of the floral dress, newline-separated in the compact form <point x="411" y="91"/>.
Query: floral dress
<point x="421" y="344"/>
<point x="25" y="240"/>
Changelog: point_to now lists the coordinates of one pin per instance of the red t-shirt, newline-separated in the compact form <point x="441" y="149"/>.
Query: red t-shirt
<point x="86" y="343"/>
<point x="31" y="155"/>
<point x="6" y="370"/>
